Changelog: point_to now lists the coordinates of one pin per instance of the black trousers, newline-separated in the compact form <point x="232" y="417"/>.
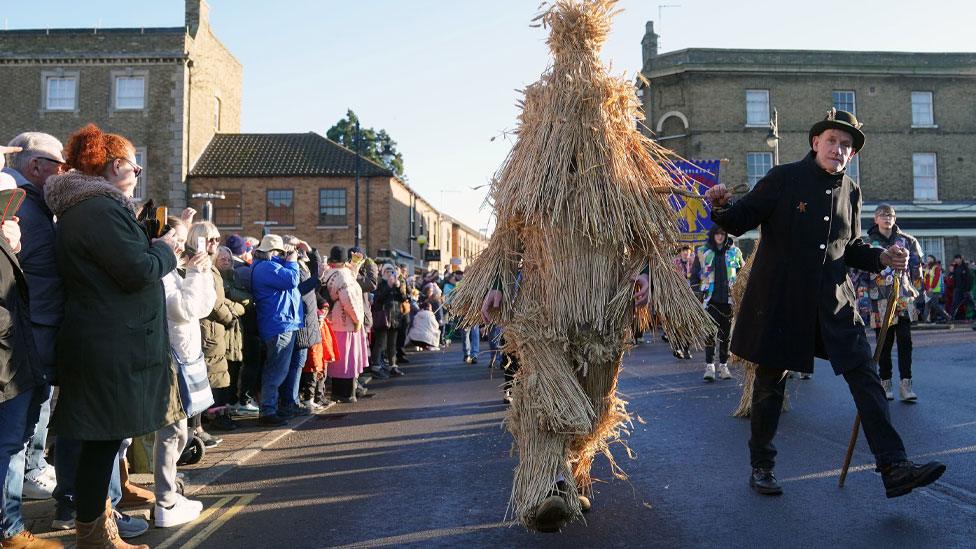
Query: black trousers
<point x="95" y="463"/>
<point x="310" y="388"/>
<point x="384" y="341"/>
<point x="869" y="397"/>
<point x="721" y="313"/>
<point x="902" y="330"/>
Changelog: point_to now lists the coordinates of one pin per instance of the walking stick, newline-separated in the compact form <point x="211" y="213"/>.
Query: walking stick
<point x="879" y="346"/>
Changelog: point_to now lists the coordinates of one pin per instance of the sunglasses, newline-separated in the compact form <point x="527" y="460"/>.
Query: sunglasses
<point x="136" y="168"/>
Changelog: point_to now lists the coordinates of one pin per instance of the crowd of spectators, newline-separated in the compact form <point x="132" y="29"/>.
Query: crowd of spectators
<point x="117" y="323"/>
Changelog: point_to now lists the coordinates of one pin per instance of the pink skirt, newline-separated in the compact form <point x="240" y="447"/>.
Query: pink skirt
<point x="353" y="355"/>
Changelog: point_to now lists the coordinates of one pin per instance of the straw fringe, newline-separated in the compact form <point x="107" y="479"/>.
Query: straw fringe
<point x="748" y="368"/>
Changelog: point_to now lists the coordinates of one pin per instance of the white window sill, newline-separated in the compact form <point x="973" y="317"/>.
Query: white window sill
<point x="762" y="125"/>
<point x="928" y="127"/>
<point x="231" y="227"/>
<point x="926" y="201"/>
<point x="332" y="227"/>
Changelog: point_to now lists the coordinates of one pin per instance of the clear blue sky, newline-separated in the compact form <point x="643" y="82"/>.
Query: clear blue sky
<point x="440" y="76"/>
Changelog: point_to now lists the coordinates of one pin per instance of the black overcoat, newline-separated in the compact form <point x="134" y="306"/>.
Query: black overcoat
<point x="799" y="302"/>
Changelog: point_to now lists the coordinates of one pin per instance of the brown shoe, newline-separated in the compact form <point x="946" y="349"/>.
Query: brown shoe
<point x="133" y="495"/>
<point x="26" y="540"/>
<point x="102" y="533"/>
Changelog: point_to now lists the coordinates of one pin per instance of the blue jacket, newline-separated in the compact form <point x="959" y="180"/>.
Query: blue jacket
<point x="276" y="289"/>
<point x="37" y="259"/>
<point x="274" y="284"/>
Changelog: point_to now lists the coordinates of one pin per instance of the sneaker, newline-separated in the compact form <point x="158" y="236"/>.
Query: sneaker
<point x="396" y="371"/>
<point x="678" y="353"/>
<point x="183" y="511"/>
<point x="723" y="371"/>
<point x="49" y="472"/>
<point x="129" y="526"/>
<point x="311" y="405"/>
<point x="508" y="397"/>
<point x="402" y="359"/>
<point x="886" y="385"/>
<point x="378" y="372"/>
<point x="26" y="540"/>
<point x="223" y="422"/>
<point x="906" y="392"/>
<point x="64" y="519"/>
<point x="904" y="476"/>
<point x="209" y="440"/>
<point x="273" y="420"/>
<point x="474" y="360"/>
<point x="361" y="391"/>
<point x="38" y="487"/>
<point x="709" y="372"/>
<point x="763" y="481"/>
<point x="246" y="408"/>
<point x="467" y="360"/>
<point x="299" y="410"/>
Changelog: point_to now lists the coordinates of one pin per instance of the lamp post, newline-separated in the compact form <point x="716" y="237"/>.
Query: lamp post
<point x="772" y="138"/>
<point x="356" y="227"/>
<point x="208" y="204"/>
<point x="265" y="231"/>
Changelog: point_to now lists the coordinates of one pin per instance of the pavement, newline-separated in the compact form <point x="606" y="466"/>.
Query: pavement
<point x="425" y="462"/>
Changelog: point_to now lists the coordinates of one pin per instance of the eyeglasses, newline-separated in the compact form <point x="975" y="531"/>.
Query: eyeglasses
<point x="214" y="240"/>
<point x="60" y="164"/>
<point x="136" y="168"/>
<point x="891" y="215"/>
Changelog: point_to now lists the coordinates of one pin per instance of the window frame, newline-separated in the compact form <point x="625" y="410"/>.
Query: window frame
<point x="221" y="206"/>
<point x="765" y="122"/>
<point x="915" y="176"/>
<point x="345" y="209"/>
<point x="765" y="155"/>
<point x="47" y="77"/>
<point x="267" y="207"/>
<point x="129" y="73"/>
<point x="937" y="241"/>
<point x="218" y="113"/>
<point x="140" y="192"/>
<point x="931" y="108"/>
<point x="833" y="100"/>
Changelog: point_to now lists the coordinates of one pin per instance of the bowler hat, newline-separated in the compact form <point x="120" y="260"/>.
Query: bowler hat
<point x="843" y="121"/>
<point x="337" y="254"/>
<point x="271" y="242"/>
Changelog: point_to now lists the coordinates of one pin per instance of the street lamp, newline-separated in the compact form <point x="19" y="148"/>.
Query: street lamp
<point x="356" y="227"/>
<point x="265" y="231"/>
<point x="208" y="205"/>
<point x="772" y="138"/>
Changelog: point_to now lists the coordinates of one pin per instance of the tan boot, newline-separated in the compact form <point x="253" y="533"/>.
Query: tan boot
<point x="102" y="533"/>
<point x="26" y="540"/>
<point x="133" y="495"/>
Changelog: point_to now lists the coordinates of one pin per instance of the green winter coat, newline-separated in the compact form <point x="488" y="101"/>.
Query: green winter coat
<point x="113" y="354"/>
<point x="214" y="333"/>
<point x="240" y="300"/>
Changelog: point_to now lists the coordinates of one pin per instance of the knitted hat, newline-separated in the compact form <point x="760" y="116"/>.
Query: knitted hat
<point x="236" y="244"/>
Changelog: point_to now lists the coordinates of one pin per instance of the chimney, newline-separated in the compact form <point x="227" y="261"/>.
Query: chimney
<point x="648" y="44"/>
<point x="197" y="15"/>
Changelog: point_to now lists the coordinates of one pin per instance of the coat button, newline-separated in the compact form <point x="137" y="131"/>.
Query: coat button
<point x="826" y="218"/>
<point x="823" y="246"/>
<point x="828" y="191"/>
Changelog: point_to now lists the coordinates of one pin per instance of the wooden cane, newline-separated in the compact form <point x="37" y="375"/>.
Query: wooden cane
<point x="692" y="194"/>
<point x="879" y="346"/>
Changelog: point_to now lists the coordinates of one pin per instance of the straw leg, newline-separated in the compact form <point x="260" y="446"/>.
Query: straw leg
<point x="600" y="385"/>
<point x="549" y="409"/>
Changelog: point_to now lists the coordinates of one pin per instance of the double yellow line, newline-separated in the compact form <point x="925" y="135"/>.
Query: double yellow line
<point x="233" y="507"/>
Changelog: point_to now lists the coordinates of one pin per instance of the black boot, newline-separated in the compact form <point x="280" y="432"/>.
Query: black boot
<point x="551" y="515"/>
<point x="902" y="477"/>
<point x="763" y="481"/>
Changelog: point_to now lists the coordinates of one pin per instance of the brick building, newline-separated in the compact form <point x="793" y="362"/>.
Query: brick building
<point x="917" y="110"/>
<point x="169" y="90"/>
<point x="304" y="184"/>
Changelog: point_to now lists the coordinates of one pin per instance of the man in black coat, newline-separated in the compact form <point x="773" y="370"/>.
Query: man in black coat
<point x="799" y="302"/>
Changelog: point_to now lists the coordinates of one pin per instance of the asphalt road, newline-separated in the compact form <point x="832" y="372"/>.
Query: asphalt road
<point x="426" y="463"/>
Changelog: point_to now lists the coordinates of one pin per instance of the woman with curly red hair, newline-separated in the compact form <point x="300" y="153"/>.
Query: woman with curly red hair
<point x="113" y="355"/>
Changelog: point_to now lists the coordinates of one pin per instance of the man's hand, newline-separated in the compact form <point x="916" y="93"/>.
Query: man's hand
<point x="895" y="257"/>
<point x="11" y="231"/>
<point x="7" y="150"/>
<point x="641" y="291"/>
<point x="492" y="303"/>
<point x="187" y="216"/>
<point x="718" y="195"/>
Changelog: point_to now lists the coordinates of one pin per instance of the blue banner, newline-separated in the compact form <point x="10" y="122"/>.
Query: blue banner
<point x="693" y="215"/>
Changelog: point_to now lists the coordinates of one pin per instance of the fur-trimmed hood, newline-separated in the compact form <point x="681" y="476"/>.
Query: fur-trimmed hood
<point x="63" y="191"/>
